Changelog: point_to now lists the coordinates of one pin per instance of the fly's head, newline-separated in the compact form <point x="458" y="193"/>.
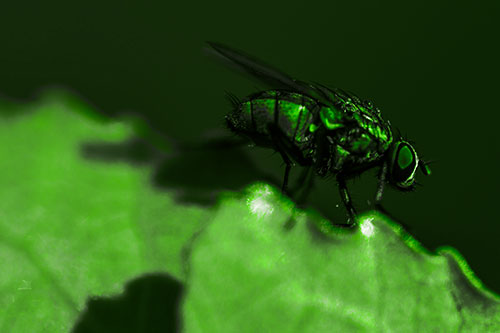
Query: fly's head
<point x="403" y="164"/>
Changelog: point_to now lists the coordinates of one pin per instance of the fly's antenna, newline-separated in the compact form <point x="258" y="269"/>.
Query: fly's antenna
<point x="232" y="98"/>
<point x="424" y="166"/>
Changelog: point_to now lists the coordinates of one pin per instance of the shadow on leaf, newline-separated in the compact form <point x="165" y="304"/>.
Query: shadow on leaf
<point x="148" y="304"/>
<point x="195" y="174"/>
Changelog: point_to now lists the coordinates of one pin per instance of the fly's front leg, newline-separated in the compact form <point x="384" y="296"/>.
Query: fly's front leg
<point x="382" y="176"/>
<point x="346" y="198"/>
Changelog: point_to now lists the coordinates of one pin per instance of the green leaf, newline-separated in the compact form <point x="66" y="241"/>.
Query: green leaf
<point x="73" y="227"/>
<point x="250" y="272"/>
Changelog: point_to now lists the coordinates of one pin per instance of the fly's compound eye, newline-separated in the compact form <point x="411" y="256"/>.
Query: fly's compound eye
<point x="404" y="163"/>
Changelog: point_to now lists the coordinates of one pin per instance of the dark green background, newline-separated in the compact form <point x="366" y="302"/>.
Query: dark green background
<point x="432" y="68"/>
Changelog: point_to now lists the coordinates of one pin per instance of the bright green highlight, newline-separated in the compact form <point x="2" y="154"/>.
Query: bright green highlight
<point x="362" y="143"/>
<point x="246" y="107"/>
<point x="291" y="111"/>
<point x="293" y="117"/>
<point x="312" y="128"/>
<point x="405" y="157"/>
<point x="271" y="93"/>
<point x="342" y="152"/>
<point x="427" y="170"/>
<point x="251" y="273"/>
<point x="380" y="133"/>
<point x="332" y="119"/>
<point x="372" y="124"/>
<point x="72" y="227"/>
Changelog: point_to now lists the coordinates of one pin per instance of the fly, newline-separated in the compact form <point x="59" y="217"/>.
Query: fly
<point x="328" y="129"/>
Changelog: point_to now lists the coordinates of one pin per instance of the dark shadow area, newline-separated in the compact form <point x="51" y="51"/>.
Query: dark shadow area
<point x="149" y="304"/>
<point x="195" y="174"/>
<point x="200" y="176"/>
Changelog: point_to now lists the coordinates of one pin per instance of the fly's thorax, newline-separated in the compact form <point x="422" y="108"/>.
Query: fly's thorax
<point x="354" y="138"/>
<point x="362" y="114"/>
<point x="332" y="118"/>
<point x="373" y="126"/>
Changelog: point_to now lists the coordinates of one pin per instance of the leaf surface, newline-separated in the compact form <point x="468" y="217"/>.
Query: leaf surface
<point x="250" y="272"/>
<point x="73" y="227"/>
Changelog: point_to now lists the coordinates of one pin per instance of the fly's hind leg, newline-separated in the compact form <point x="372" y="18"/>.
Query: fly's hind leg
<point x="346" y="199"/>
<point x="288" y="162"/>
<point x="278" y="145"/>
<point x="289" y="151"/>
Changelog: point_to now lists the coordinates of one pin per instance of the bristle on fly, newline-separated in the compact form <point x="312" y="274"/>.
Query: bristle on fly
<point x="235" y="101"/>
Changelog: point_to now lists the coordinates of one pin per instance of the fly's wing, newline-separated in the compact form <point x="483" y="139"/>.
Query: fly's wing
<point x="270" y="75"/>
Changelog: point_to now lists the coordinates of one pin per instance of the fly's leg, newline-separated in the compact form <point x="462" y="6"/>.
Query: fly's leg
<point x="346" y="198"/>
<point x="288" y="150"/>
<point x="276" y="138"/>
<point x="382" y="176"/>
<point x="380" y="189"/>
<point x="292" y="151"/>
<point x="288" y="167"/>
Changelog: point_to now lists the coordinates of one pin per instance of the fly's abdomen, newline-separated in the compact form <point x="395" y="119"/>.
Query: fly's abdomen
<point x="292" y="113"/>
